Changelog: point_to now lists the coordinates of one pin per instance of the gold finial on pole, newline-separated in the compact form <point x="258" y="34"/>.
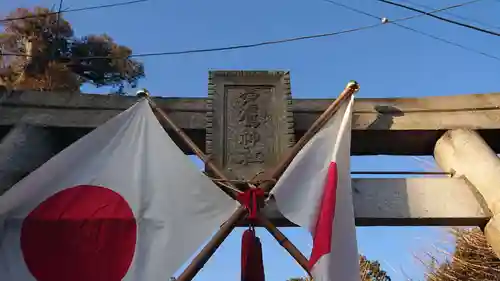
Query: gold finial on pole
<point x="353" y="85"/>
<point x="142" y="93"/>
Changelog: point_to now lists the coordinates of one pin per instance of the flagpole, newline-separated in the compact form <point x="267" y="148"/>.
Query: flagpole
<point x="187" y="140"/>
<point x="351" y="88"/>
<point x="195" y="266"/>
<point x="204" y="255"/>
<point x="286" y="243"/>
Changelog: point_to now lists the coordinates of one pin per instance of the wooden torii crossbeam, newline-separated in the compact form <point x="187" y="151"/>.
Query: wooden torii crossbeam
<point x="199" y="261"/>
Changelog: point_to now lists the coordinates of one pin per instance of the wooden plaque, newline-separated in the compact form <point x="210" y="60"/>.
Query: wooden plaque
<point x="249" y="120"/>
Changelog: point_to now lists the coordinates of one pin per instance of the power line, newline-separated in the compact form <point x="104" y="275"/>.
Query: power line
<point x="450" y="42"/>
<point x="413" y="30"/>
<point x="59" y="12"/>
<point x="58" y="22"/>
<point x="454" y="15"/>
<point x="352" y="9"/>
<point x="75" y="10"/>
<point x="273" y="42"/>
<point x="441" y="18"/>
<point x="287" y="40"/>
<point x="59" y="18"/>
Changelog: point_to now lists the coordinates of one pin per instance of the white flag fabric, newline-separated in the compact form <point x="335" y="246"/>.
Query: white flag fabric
<point x="121" y="203"/>
<point x="315" y="193"/>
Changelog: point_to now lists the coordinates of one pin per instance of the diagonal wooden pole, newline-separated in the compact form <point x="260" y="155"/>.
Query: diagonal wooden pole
<point x="285" y="243"/>
<point x="194" y="267"/>
<point x="351" y="88"/>
<point x="199" y="261"/>
<point x="187" y="140"/>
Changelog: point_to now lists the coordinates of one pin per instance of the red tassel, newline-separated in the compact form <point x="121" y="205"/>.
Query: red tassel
<point x="252" y="266"/>
<point x="250" y="199"/>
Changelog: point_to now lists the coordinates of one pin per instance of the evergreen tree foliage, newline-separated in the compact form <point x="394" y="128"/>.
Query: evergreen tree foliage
<point x="39" y="51"/>
<point x="369" y="271"/>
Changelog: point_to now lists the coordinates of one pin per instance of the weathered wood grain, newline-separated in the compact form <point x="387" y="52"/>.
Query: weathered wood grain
<point x="414" y="124"/>
<point x="464" y="154"/>
<point x="409" y="202"/>
<point x="22" y="150"/>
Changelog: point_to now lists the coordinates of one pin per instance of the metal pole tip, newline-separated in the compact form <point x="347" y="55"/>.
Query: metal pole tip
<point x="353" y="85"/>
<point x="142" y="93"/>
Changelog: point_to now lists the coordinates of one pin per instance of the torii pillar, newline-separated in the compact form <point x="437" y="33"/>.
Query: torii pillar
<point x="463" y="153"/>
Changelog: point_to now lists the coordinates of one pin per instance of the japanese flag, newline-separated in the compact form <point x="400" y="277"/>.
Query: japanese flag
<point x="315" y="192"/>
<point x="122" y="203"/>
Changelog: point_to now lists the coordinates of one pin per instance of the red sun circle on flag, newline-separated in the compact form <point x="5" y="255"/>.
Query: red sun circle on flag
<point x="81" y="233"/>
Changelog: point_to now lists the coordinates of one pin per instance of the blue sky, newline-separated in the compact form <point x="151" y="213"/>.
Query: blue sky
<point x="387" y="61"/>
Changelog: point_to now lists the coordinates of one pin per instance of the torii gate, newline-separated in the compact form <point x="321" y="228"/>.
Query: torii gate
<point x="440" y="126"/>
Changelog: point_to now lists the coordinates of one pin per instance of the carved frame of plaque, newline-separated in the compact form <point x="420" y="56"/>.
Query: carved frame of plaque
<point x="249" y="121"/>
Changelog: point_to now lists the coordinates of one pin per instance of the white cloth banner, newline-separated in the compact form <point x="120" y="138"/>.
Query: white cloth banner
<point x="315" y="192"/>
<point x="122" y="203"/>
